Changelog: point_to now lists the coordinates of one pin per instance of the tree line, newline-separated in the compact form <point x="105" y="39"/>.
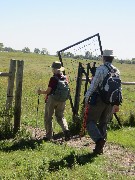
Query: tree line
<point x="44" y="51"/>
<point x="90" y="56"/>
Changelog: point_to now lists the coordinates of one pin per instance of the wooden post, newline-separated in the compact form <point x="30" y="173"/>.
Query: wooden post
<point x="10" y="87"/>
<point x="87" y="78"/>
<point x="18" y="95"/>
<point x="78" y="89"/>
<point x="128" y="83"/>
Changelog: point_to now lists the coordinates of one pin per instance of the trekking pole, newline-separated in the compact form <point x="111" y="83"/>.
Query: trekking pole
<point x="118" y="120"/>
<point x="37" y="112"/>
<point x="37" y="115"/>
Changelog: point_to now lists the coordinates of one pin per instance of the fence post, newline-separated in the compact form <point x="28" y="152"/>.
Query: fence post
<point x="87" y="78"/>
<point x="10" y="87"/>
<point x="78" y="89"/>
<point x="18" y="95"/>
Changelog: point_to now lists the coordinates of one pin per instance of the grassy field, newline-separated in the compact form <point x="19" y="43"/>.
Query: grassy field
<point x="24" y="158"/>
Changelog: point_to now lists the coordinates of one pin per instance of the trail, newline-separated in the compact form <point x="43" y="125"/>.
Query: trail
<point x="120" y="159"/>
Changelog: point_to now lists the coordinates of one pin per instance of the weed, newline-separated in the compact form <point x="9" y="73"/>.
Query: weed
<point x="6" y="127"/>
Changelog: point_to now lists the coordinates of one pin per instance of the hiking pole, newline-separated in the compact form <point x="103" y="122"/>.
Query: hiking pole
<point x="117" y="119"/>
<point x="37" y="112"/>
<point x="37" y="115"/>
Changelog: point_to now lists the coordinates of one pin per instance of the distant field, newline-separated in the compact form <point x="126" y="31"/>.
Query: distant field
<point x="37" y="74"/>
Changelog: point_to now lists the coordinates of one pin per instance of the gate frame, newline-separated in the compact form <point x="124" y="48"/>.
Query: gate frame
<point x="75" y="106"/>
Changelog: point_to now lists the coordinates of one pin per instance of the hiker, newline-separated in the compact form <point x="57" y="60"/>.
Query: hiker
<point x="100" y="112"/>
<point x="56" y="101"/>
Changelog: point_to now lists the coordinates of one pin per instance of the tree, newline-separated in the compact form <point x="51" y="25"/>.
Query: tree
<point x="36" y="50"/>
<point x="8" y="49"/>
<point x="69" y="54"/>
<point x="26" y="50"/>
<point x="44" y="51"/>
<point x="88" y="55"/>
<point x="1" y="46"/>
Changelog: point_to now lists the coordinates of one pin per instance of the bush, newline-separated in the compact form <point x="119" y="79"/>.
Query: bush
<point x="6" y="128"/>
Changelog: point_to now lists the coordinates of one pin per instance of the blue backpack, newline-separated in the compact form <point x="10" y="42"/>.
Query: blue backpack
<point x="62" y="91"/>
<point x="110" y="90"/>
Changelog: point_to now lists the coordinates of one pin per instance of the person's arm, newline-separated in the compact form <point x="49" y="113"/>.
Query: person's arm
<point x="45" y="91"/>
<point x="94" y="84"/>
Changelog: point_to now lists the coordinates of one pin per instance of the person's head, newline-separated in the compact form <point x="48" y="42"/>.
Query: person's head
<point x="108" y="56"/>
<point x="57" y="67"/>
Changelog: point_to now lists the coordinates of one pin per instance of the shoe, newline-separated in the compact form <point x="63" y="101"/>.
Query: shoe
<point x="99" y="146"/>
<point x="98" y="152"/>
<point x="67" y="135"/>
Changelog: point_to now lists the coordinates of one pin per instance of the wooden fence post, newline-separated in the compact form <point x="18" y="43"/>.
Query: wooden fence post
<point x="78" y="89"/>
<point x="87" y="78"/>
<point x="10" y="87"/>
<point x="18" y="95"/>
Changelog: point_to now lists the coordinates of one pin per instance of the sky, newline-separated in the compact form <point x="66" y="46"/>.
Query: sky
<point x="56" y="24"/>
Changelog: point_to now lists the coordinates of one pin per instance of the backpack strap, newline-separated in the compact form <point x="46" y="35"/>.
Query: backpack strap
<point x="56" y="77"/>
<point x="109" y="68"/>
<point x="62" y="77"/>
<point x="53" y="91"/>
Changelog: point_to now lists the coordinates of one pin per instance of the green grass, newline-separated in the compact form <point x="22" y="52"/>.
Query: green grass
<point x="37" y="74"/>
<point x="40" y="160"/>
<point x="24" y="158"/>
<point x="123" y="136"/>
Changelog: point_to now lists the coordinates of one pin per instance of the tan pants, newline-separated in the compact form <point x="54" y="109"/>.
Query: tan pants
<point x="57" y="107"/>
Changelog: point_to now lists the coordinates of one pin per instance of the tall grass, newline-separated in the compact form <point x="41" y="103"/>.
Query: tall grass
<point x="26" y="158"/>
<point x="37" y="72"/>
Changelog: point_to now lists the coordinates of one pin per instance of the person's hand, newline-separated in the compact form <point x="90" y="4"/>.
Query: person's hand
<point x="115" y="109"/>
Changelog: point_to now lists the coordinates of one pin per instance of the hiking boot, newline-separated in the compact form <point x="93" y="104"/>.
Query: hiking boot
<point x="67" y="135"/>
<point x="99" y="146"/>
<point x="98" y="152"/>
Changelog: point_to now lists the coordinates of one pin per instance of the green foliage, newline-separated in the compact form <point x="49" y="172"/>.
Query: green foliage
<point x="131" y="120"/>
<point x="6" y="127"/>
<point x="75" y="125"/>
<point x="26" y="50"/>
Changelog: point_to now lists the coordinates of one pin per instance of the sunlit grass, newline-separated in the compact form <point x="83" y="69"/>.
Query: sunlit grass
<point x="22" y="158"/>
<point x="123" y="137"/>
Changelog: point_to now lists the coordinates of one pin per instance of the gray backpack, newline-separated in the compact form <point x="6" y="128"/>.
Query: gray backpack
<point x="62" y="91"/>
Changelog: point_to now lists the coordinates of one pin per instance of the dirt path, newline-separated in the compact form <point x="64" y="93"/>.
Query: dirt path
<point x="118" y="157"/>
